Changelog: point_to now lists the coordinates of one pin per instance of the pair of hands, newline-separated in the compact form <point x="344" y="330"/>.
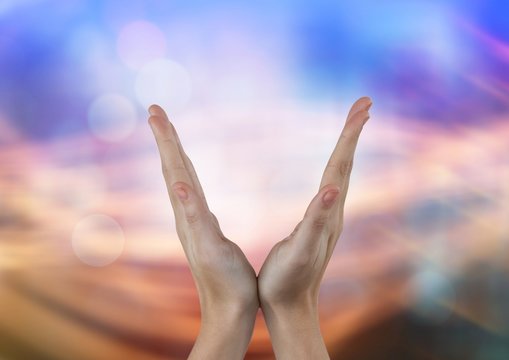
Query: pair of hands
<point x="288" y="284"/>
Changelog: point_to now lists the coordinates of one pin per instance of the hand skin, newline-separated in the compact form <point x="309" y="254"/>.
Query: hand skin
<point x="289" y="280"/>
<point x="225" y="280"/>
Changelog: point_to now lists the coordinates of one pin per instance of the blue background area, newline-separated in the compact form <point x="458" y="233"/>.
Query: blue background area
<point x="379" y="48"/>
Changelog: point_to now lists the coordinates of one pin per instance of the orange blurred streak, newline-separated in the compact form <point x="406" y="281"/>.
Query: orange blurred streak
<point x="144" y="306"/>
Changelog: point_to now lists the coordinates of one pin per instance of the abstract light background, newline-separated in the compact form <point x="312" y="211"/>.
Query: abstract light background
<point x="90" y="264"/>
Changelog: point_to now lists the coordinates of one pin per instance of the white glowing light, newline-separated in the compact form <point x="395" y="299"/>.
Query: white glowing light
<point x="97" y="240"/>
<point x="111" y="117"/>
<point x="434" y="291"/>
<point x="140" y="42"/>
<point x="163" y="82"/>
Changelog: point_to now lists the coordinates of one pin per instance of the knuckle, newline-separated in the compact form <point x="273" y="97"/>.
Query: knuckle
<point x="331" y="164"/>
<point x="168" y="139"/>
<point x="345" y="167"/>
<point x="351" y="133"/>
<point x="167" y="169"/>
<point x="346" y="136"/>
<point x="319" y="222"/>
<point x="179" y="166"/>
<point x="192" y="218"/>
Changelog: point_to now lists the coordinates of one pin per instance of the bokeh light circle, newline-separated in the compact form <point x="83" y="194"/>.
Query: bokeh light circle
<point x="111" y="117"/>
<point x="164" y="82"/>
<point x="139" y="42"/>
<point x="98" y="240"/>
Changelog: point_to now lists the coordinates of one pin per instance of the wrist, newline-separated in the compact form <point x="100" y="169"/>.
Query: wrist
<point x="293" y="317"/>
<point x="303" y="307"/>
<point x="231" y="311"/>
<point x="233" y="315"/>
<point x="295" y="330"/>
<point x="225" y="332"/>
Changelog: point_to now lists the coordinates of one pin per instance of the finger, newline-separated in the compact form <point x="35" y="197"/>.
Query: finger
<point x="317" y="217"/>
<point x="340" y="163"/>
<point x="363" y="103"/>
<point x="173" y="166"/>
<point x="156" y="110"/>
<point x="196" y="218"/>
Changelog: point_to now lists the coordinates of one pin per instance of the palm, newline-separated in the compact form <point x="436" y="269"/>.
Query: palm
<point x="288" y="269"/>
<point x="225" y="268"/>
<point x="283" y="274"/>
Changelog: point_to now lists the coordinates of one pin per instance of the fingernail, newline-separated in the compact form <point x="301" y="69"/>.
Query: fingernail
<point x="330" y="197"/>
<point x="181" y="193"/>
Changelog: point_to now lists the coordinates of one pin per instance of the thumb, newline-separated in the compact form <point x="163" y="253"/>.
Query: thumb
<point x="195" y="213"/>
<point x="317" y="214"/>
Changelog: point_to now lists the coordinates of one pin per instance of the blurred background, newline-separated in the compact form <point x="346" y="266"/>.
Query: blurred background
<point x="90" y="264"/>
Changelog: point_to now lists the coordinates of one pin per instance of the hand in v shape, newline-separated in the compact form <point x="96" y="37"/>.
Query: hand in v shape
<point x="288" y="284"/>
<point x="225" y="280"/>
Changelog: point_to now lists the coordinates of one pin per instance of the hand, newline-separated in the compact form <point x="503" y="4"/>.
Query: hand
<point x="290" y="278"/>
<point x="225" y="280"/>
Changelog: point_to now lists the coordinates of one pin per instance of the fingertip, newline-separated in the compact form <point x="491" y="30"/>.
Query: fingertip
<point x="360" y="116"/>
<point x="365" y="102"/>
<point x="155" y="121"/>
<point x="158" y="111"/>
<point x="150" y="122"/>
<point x="153" y="109"/>
<point x="363" y="114"/>
<point x="362" y="104"/>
